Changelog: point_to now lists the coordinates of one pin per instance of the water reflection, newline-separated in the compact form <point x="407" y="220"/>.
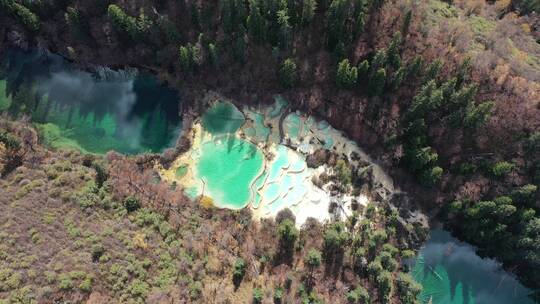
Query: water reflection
<point x="122" y="110"/>
<point x="452" y="273"/>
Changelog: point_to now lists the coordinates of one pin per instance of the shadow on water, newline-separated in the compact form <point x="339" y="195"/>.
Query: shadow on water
<point x="452" y="273"/>
<point x="222" y="118"/>
<point x="98" y="111"/>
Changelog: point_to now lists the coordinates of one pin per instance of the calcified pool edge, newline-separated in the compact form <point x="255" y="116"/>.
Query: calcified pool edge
<point x="283" y="180"/>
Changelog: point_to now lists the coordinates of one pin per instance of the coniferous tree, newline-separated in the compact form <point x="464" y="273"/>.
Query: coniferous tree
<point x="144" y="24"/>
<point x="213" y="54"/>
<point x="347" y="75"/>
<point x="363" y="71"/>
<point x="256" y="22"/>
<point x="377" y="82"/>
<point x="378" y="61"/>
<point x="358" y="296"/>
<point x="427" y="99"/>
<point x="336" y="18"/>
<point x="385" y="283"/>
<point x="406" y="23"/>
<point x="233" y="15"/>
<point x="397" y="78"/>
<point x="362" y="14"/>
<point x="434" y="69"/>
<point x="288" y="234"/>
<point x="169" y="30"/>
<point x="308" y="10"/>
<point x="75" y="20"/>
<point x="414" y="67"/>
<point x="393" y="54"/>
<point x="463" y="72"/>
<point x="312" y="260"/>
<point x="477" y="115"/>
<point x="335" y="237"/>
<point x="419" y="158"/>
<point x="122" y="22"/>
<point x="239" y="48"/>
<point x="26" y="16"/>
<point x="285" y="29"/>
<point x="287" y="73"/>
<point x="408" y="289"/>
<point x="431" y="176"/>
<point x="186" y="57"/>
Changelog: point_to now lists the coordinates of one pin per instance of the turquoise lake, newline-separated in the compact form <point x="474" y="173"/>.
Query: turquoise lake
<point x="126" y="111"/>
<point x="451" y="272"/>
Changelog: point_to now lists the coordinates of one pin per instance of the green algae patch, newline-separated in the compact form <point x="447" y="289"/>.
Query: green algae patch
<point x="54" y="137"/>
<point x="181" y="171"/>
<point x="221" y="118"/>
<point x="86" y="133"/>
<point x="228" y="167"/>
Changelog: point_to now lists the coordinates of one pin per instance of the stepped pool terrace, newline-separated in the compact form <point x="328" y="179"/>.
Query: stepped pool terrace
<point x="256" y="158"/>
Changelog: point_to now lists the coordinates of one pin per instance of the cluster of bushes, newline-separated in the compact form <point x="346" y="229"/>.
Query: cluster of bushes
<point x="137" y="28"/>
<point x="192" y="56"/>
<point x="68" y="281"/>
<point x="22" y="13"/>
<point x="10" y="153"/>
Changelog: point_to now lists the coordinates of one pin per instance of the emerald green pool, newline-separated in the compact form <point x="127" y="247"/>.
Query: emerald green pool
<point x="228" y="166"/>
